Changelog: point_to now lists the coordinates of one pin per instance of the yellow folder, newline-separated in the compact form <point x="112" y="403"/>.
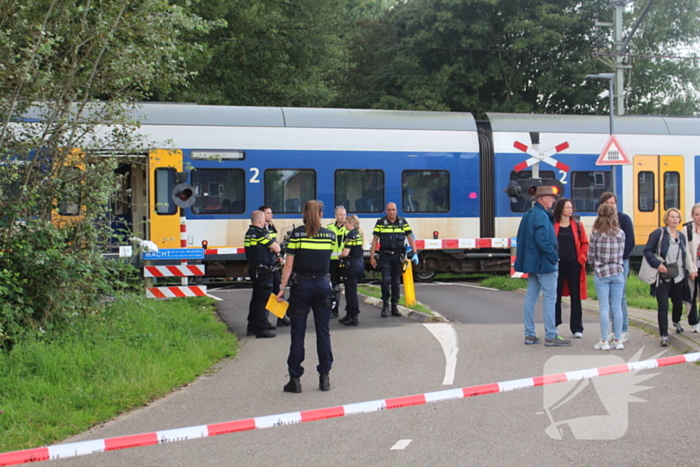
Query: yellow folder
<point x="278" y="309"/>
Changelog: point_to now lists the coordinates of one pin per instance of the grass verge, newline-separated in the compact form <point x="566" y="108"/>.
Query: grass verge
<point x="637" y="292"/>
<point x="375" y="291"/>
<point x="107" y="363"/>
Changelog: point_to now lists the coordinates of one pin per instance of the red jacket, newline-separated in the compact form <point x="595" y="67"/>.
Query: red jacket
<point x="581" y="244"/>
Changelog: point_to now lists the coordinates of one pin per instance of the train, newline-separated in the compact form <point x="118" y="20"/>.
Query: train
<point x="446" y="172"/>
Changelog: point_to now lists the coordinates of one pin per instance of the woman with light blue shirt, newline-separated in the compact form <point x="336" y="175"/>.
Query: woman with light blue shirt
<point x="605" y="251"/>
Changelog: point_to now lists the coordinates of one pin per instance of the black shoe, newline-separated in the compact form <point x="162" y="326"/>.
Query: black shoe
<point x="385" y="310"/>
<point x="266" y="333"/>
<point x="344" y="319"/>
<point x="281" y="322"/>
<point x="395" y="309"/>
<point x="324" y="382"/>
<point x="352" y="321"/>
<point x="270" y="326"/>
<point x="294" y="385"/>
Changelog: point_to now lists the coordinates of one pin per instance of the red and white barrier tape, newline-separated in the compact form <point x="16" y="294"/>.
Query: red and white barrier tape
<point x="62" y="451"/>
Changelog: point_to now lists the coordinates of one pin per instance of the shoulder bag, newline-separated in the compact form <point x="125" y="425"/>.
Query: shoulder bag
<point x="647" y="273"/>
<point x="672" y="268"/>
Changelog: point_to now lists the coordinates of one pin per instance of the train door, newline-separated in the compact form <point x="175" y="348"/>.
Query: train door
<point x="658" y="186"/>
<point x="163" y="215"/>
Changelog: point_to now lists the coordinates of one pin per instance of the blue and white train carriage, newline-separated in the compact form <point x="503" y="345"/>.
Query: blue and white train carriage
<point x="445" y="171"/>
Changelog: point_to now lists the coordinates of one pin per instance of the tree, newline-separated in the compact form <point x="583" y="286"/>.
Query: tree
<point x="526" y="56"/>
<point x="69" y="71"/>
<point x="269" y="53"/>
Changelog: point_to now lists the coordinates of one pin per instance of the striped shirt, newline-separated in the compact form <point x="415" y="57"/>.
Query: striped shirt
<point x="605" y="253"/>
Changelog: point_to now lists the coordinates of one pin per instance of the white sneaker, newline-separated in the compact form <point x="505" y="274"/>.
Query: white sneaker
<point x="624" y="337"/>
<point x="602" y="345"/>
<point x="617" y="345"/>
<point x="696" y="328"/>
<point x="578" y="335"/>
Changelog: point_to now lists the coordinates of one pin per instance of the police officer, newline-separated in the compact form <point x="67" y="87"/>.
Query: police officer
<point x="352" y="254"/>
<point x="391" y="232"/>
<point x="306" y="271"/>
<point x="338" y="228"/>
<point x="272" y="230"/>
<point x="261" y="252"/>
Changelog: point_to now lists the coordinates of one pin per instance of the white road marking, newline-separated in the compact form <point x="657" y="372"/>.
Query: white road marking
<point x="447" y="337"/>
<point x="401" y="444"/>
<point x="215" y="298"/>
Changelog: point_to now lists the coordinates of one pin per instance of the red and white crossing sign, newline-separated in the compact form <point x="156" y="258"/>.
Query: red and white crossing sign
<point x="613" y="154"/>
<point x="540" y="156"/>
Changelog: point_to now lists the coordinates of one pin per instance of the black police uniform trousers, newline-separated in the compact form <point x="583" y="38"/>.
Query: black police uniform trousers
<point x="335" y="280"/>
<point x="262" y="287"/>
<point x="354" y="272"/>
<point x="314" y="293"/>
<point x="392" y="268"/>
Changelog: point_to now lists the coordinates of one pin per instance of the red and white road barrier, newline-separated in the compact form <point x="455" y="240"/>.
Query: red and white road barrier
<point x="513" y="272"/>
<point x="176" y="291"/>
<point x="174" y="271"/>
<point x="62" y="451"/>
<point x="462" y="243"/>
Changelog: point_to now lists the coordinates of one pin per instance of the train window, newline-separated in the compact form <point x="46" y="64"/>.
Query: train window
<point x="360" y="190"/>
<point x="286" y="191"/>
<point x="586" y="188"/>
<point x="219" y="191"/>
<point x="69" y="202"/>
<point x="672" y="185"/>
<point x="645" y="188"/>
<point x="520" y="204"/>
<point x="165" y="182"/>
<point x="425" y="190"/>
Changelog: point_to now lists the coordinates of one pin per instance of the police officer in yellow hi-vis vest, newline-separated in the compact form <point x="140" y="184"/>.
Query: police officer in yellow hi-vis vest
<point x="391" y="232"/>
<point x="338" y="228"/>
<point x="261" y="252"/>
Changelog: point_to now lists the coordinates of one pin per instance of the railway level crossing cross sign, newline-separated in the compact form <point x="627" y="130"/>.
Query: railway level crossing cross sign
<point x="545" y="156"/>
<point x="613" y="154"/>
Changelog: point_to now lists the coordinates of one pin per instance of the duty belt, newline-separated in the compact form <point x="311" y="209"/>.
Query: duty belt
<point x="301" y="277"/>
<point x="389" y="252"/>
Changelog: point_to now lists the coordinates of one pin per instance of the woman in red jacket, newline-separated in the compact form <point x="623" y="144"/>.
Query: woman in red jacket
<point x="573" y="255"/>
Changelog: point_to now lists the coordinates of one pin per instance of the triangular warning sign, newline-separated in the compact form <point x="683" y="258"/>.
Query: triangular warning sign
<point x="613" y="154"/>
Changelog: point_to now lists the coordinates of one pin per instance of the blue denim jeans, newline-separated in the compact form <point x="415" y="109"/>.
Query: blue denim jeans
<point x="547" y="284"/>
<point x="623" y="305"/>
<point x="610" y="291"/>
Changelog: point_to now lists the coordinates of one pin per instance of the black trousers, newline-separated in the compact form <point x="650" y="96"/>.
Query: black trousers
<point x="664" y="291"/>
<point x="355" y="271"/>
<point x="257" y="314"/>
<point x="570" y="272"/>
<point x="313" y="294"/>
<point x="392" y="268"/>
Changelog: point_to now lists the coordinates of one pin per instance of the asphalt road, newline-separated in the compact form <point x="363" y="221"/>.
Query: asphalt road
<point x="596" y="422"/>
